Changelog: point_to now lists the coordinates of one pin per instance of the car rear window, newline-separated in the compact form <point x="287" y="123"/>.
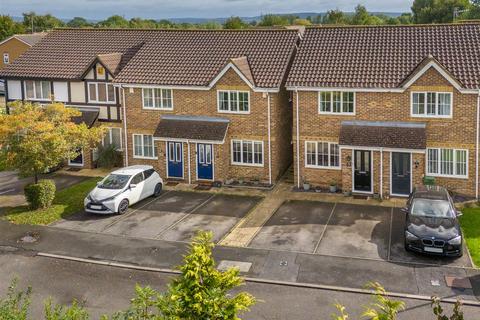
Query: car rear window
<point x="431" y="208"/>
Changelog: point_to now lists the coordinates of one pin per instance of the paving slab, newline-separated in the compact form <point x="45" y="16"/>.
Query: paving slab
<point x="357" y="231"/>
<point x="295" y="226"/>
<point x="399" y="254"/>
<point x="178" y="201"/>
<point x="84" y="221"/>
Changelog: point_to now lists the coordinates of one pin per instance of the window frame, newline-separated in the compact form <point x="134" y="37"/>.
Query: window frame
<point x="154" y="107"/>
<point x="6" y="58"/>
<point x="154" y="147"/>
<point x="96" y="83"/>
<point x="253" y="143"/>
<point x="316" y="166"/>
<point x="332" y="102"/>
<point x="49" y="98"/>
<point x="454" y="163"/>
<point x="229" y="101"/>
<point x="425" y="105"/>
<point x="110" y="135"/>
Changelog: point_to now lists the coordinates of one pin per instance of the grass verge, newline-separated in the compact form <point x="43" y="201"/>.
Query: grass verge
<point x="67" y="202"/>
<point x="470" y="221"/>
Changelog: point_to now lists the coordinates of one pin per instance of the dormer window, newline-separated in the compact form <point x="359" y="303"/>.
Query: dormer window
<point x="37" y="90"/>
<point x="101" y="92"/>
<point x="431" y="104"/>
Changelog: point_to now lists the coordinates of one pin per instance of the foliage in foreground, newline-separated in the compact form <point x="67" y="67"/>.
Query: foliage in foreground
<point x="470" y="222"/>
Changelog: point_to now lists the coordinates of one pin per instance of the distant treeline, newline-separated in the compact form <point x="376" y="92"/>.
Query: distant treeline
<point x="423" y="11"/>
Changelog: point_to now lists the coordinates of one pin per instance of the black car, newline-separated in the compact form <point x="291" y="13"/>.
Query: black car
<point x="431" y="224"/>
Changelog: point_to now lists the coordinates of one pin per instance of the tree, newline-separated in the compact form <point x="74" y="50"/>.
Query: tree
<point x="363" y="17"/>
<point x="37" y="23"/>
<point x="36" y="138"/>
<point x="235" y="23"/>
<point x="436" y="11"/>
<point x="78" y="22"/>
<point x="335" y="17"/>
<point x="114" y="21"/>
<point x="302" y="22"/>
<point x="200" y="292"/>
<point x="9" y="27"/>
<point x="271" y="20"/>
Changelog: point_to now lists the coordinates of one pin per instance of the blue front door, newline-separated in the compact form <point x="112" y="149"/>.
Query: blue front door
<point x="175" y="159"/>
<point x="204" y="161"/>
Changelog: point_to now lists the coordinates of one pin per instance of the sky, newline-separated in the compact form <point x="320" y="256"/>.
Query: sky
<point x="159" y="9"/>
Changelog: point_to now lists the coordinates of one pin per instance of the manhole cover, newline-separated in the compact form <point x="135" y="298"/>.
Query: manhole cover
<point x="29" y="238"/>
<point x="435" y="282"/>
<point x="283" y="263"/>
<point x="456" y="282"/>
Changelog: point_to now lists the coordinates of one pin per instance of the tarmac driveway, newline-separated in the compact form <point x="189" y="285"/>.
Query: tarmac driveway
<point x="174" y="216"/>
<point x="343" y="230"/>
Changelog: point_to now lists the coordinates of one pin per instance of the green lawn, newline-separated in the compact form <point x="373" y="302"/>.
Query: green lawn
<point x="470" y="222"/>
<point x="67" y="202"/>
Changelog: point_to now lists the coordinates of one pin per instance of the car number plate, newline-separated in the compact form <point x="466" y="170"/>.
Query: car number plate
<point x="96" y="207"/>
<point x="434" y="250"/>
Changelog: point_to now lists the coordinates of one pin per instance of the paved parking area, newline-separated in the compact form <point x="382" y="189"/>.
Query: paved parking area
<point x="175" y="216"/>
<point x="343" y="230"/>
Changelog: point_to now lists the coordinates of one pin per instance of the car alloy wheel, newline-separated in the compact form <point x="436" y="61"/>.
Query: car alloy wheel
<point x="123" y="206"/>
<point x="158" y="190"/>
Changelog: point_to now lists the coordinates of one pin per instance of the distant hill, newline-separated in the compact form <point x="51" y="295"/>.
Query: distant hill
<point x="301" y="15"/>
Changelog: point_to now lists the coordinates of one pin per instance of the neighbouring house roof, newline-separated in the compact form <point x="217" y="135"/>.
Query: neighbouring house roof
<point x="31" y="39"/>
<point x="88" y="117"/>
<point x="396" y="135"/>
<point x="111" y="61"/>
<point x="384" y="56"/>
<point x="161" y="57"/>
<point x="194" y="128"/>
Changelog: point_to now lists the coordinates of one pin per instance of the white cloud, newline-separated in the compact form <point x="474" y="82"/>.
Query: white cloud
<point x="157" y="9"/>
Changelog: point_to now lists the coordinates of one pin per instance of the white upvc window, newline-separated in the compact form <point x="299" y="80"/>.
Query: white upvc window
<point x="113" y="137"/>
<point x="37" y="90"/>
<point x="447" y="162"/>
<point x="320" y="154"/>
<point x="431" y="104"/>
<point x="247" y="152"/>
<point x="157" y="98"/>
<point x="336" y="102"/>
<point x="6" y="58"/>
<point x="101" y="92"/>
<point x="233" y="101"/>
<point x="144" y="146"/>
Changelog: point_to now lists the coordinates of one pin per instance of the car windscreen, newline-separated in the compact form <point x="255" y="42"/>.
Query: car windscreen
<point x="114" y="181"/>
<point x="431" y="208"/>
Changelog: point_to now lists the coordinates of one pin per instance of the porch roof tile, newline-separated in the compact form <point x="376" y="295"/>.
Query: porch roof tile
<point x="192" y="128"/>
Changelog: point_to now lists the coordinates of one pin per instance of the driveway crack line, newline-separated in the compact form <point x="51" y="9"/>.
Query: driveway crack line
<point x="325" y="228"/>
<point x="390" y="235"/>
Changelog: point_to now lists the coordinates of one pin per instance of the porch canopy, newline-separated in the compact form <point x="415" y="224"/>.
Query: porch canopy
<point x="192" y="128"/>
<point x="88" y="117"/>
<point x="379" y="134"/>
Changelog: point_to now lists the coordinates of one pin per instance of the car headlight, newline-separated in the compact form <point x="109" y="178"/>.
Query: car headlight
<point x="410" y="236"/>
<point x="455" y="241"/>
<point x="109" y="199"/>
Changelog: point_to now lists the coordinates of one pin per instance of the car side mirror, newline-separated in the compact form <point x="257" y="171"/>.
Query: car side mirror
<point x="404" y="209"/>
<point x="133" y="185"/>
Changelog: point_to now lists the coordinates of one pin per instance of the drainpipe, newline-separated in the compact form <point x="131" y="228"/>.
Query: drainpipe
<point x="298" y="138"/>
<point x="188" y="159"/>
<point x="125" y="158"/>
<point x="269" y="141"/>
<point x="381" y="173"/>
<point x="477" y="145"/>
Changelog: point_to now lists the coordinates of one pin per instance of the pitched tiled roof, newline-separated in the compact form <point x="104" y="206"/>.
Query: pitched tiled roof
<point x="31" y="39"/>
<point x="66" y="53"/>
<point x="401" y="135"/>
<point x="111" y="61"/>
<point x="164" y="57"/>
<point x="192" y="128"/>
<point x="242" y="64"/>
<point x="384" y="56"/>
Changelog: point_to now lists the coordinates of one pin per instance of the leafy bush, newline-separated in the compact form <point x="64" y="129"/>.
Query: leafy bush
<point x="15" y="305"/>
<point x="59" y="312"/>
<point x="41" y="194"/>
<point x="109" y="157"/>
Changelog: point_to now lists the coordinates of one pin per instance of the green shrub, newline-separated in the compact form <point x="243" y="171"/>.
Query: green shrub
<point x="41" y="194"/>
<point x="109" y="157"/>
<point x="15" y="305"/>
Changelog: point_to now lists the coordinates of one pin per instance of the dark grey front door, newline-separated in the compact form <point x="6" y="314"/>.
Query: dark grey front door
<point x="401" y="173"/>
<point x="362" y="176"/>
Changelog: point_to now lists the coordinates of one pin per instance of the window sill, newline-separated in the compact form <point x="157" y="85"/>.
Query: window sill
<point x="336" y="113"/>
<point x="447" y="176"/>
<point x="102" y="102"/>
<point x="157" y="109"/>
<point x="145" y="158"/>
<point x="430" y="117"/>
<point x="234" y="112"/>
<point x="322" y="167"/>
<point x="247" y="165"/>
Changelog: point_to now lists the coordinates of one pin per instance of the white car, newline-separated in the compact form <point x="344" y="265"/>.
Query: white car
<point x="122" y="188"/>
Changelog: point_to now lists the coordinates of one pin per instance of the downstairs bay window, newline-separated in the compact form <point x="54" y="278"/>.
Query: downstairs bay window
<point x="447" y="162"/>
<point x="322" y="155"/>
<point x="245" y="152"/>
<point x="144" y="146"/>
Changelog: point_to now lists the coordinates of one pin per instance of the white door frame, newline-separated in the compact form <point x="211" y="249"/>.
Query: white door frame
<point x="371" y="171"/>
<point x="411" y="175"/>
<point x="167" y="155"/>
<point x="196" y="161"/>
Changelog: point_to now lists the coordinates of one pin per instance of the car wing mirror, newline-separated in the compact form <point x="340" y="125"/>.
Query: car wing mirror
<point x="133" y="185"/>
<point x="404" y="209"/>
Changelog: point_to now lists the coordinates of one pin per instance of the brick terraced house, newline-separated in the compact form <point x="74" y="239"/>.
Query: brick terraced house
<point x="197" y="105"/>
<point x="377" y="109"/>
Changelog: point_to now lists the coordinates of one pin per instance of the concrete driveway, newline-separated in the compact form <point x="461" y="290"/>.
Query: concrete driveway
<point x="343" y="230"/>
<point x="174" y="216"/>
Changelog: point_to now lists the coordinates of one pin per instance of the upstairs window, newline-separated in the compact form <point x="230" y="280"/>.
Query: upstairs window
<point x="231" y="101"/>
<point x="37" y="90"/>
<point x="101" y="92"/>
<point x="432" y="104"/>
<point x="336" y="102"/>
<point x="156" y="98"/>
